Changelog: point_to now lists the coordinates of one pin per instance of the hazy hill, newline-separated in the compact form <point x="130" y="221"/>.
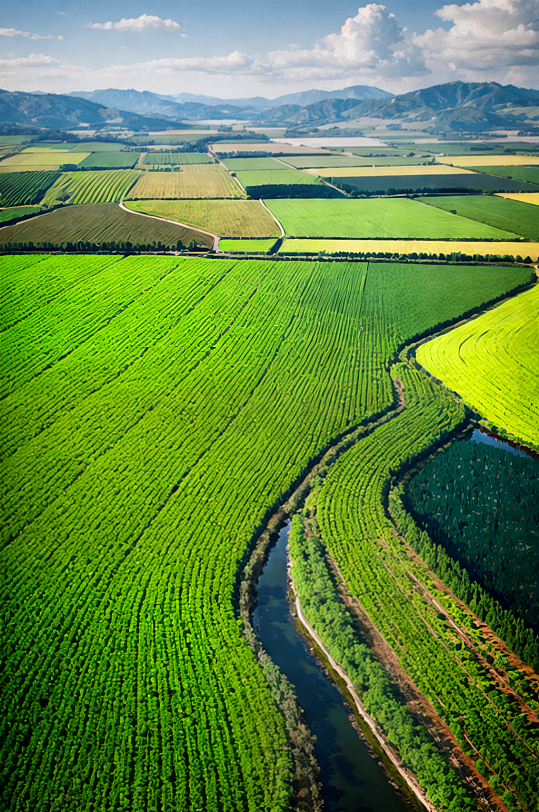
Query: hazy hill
<point x="469" y="106"/>
<point x="190" y="105"/>
<point x="66" y="112"/>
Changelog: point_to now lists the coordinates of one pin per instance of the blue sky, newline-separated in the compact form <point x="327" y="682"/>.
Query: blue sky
<point x="267" y="47"/>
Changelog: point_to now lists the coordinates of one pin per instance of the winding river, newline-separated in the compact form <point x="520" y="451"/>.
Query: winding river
<point x="353" y="780"/>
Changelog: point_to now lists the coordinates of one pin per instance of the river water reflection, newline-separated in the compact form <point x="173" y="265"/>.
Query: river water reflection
<point x="353" y="781"/>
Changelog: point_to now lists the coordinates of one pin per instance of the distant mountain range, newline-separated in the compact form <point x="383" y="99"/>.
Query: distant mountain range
<point x="455" y="106"/>
<point x="147" y="103"/>
<point x="451" y="107"/>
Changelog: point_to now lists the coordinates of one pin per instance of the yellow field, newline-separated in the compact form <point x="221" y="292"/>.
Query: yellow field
<point x="195" y="181"/>
<point x="385" y="171"/>
<point x="493" y="364"/>
<point x="53" y="158"/>
<point x="230" y="218"/>
<point x="523" y="197"/>
<point x="38" y="168"/>
<point x="490" y="160"/>
<point x="523" y="249"/>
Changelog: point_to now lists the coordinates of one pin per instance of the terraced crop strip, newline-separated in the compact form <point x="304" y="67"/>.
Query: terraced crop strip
<point x="91" y="187"/>
<point x="100" y="224"/>
<point x="197" y="181"/>
<point x="376" y="218"/>
<point x="504" y="392"/>
<point x="231" y="218"/>
<point x="437" y="642"/>
<point x="160" y="158"/>
<point x="24" y="188"/>
<point x="179" y="401"/>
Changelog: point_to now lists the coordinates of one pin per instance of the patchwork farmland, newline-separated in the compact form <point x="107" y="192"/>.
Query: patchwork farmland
<point x="163" y="414"/>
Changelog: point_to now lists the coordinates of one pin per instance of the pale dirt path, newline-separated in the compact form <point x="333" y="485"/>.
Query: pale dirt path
<point x="407" y="776"/>
<point x="273" y="216"/>
<point x="215" y="237"/>
<point x="324" y="181"/>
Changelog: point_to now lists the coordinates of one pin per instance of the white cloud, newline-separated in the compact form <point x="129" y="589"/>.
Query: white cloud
<point x="371" y="45"/>
<point x="30" y="61"/>
<point x="487" y="38"/>
<point x="482" y="40"/>
<point x="146" y="22"/>
<point x="14" y="32"/>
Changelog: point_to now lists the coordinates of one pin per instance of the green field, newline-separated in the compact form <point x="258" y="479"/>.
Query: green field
<point x="525" y="174"/>
<point x="415" y="614"/>
<point x="97" y="146"/>
<point x="109" y="160"/>
<point x="98" y="224"/>
<point x="6" y="215"/>
<point x="278" y="177"/>
<point x="160" y="158"/>
<point x="504" y="389"/>
<point x="178" y="403"/>
<point x="520" y="218"/>
<point x="91" y="187"/>
<point x="230" y="218"/>
<point x="196" y="181"/>
<point x="24" y="188"/>
<point x="246" y="246"/>
<point x="38" y="160"/>
<point x="456" y="498"/>
<point x="312" y="162"/>
<point x="252" y="164"/>
<point x="376" y="218"/>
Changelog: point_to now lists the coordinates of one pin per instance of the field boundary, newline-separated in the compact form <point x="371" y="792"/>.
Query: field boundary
<point x="214" y="237"/>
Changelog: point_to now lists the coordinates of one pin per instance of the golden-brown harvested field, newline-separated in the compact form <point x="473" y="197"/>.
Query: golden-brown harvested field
<point x="193" y="181"/>
<point x="523" y="249"/>
<point x="522" y="197"/>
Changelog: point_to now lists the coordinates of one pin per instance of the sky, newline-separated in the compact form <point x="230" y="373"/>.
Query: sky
<point x="238" y="48"/>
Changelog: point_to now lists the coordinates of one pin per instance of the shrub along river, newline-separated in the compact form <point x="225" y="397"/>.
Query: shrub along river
<point x="353" y="780"/>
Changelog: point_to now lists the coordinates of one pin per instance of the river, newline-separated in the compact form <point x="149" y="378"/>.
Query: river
<point x="352" y="778"/>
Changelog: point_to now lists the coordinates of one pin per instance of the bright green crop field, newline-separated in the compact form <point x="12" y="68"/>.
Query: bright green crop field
<point x="91" y="187"/>
<point x="6" y="215"/>
<point x="24" y="188"/>
<point x="178" y="403"/>
<point x="527" y="174"/>
<point x="247" y="246"/>
<point x="109" y="160"/>
<point x="390" y="217"/>
<point x="283" y="176"/>
<point x="253" y="164"/>
<point x="493" y="363"/>
<point x="511" y="215"/>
